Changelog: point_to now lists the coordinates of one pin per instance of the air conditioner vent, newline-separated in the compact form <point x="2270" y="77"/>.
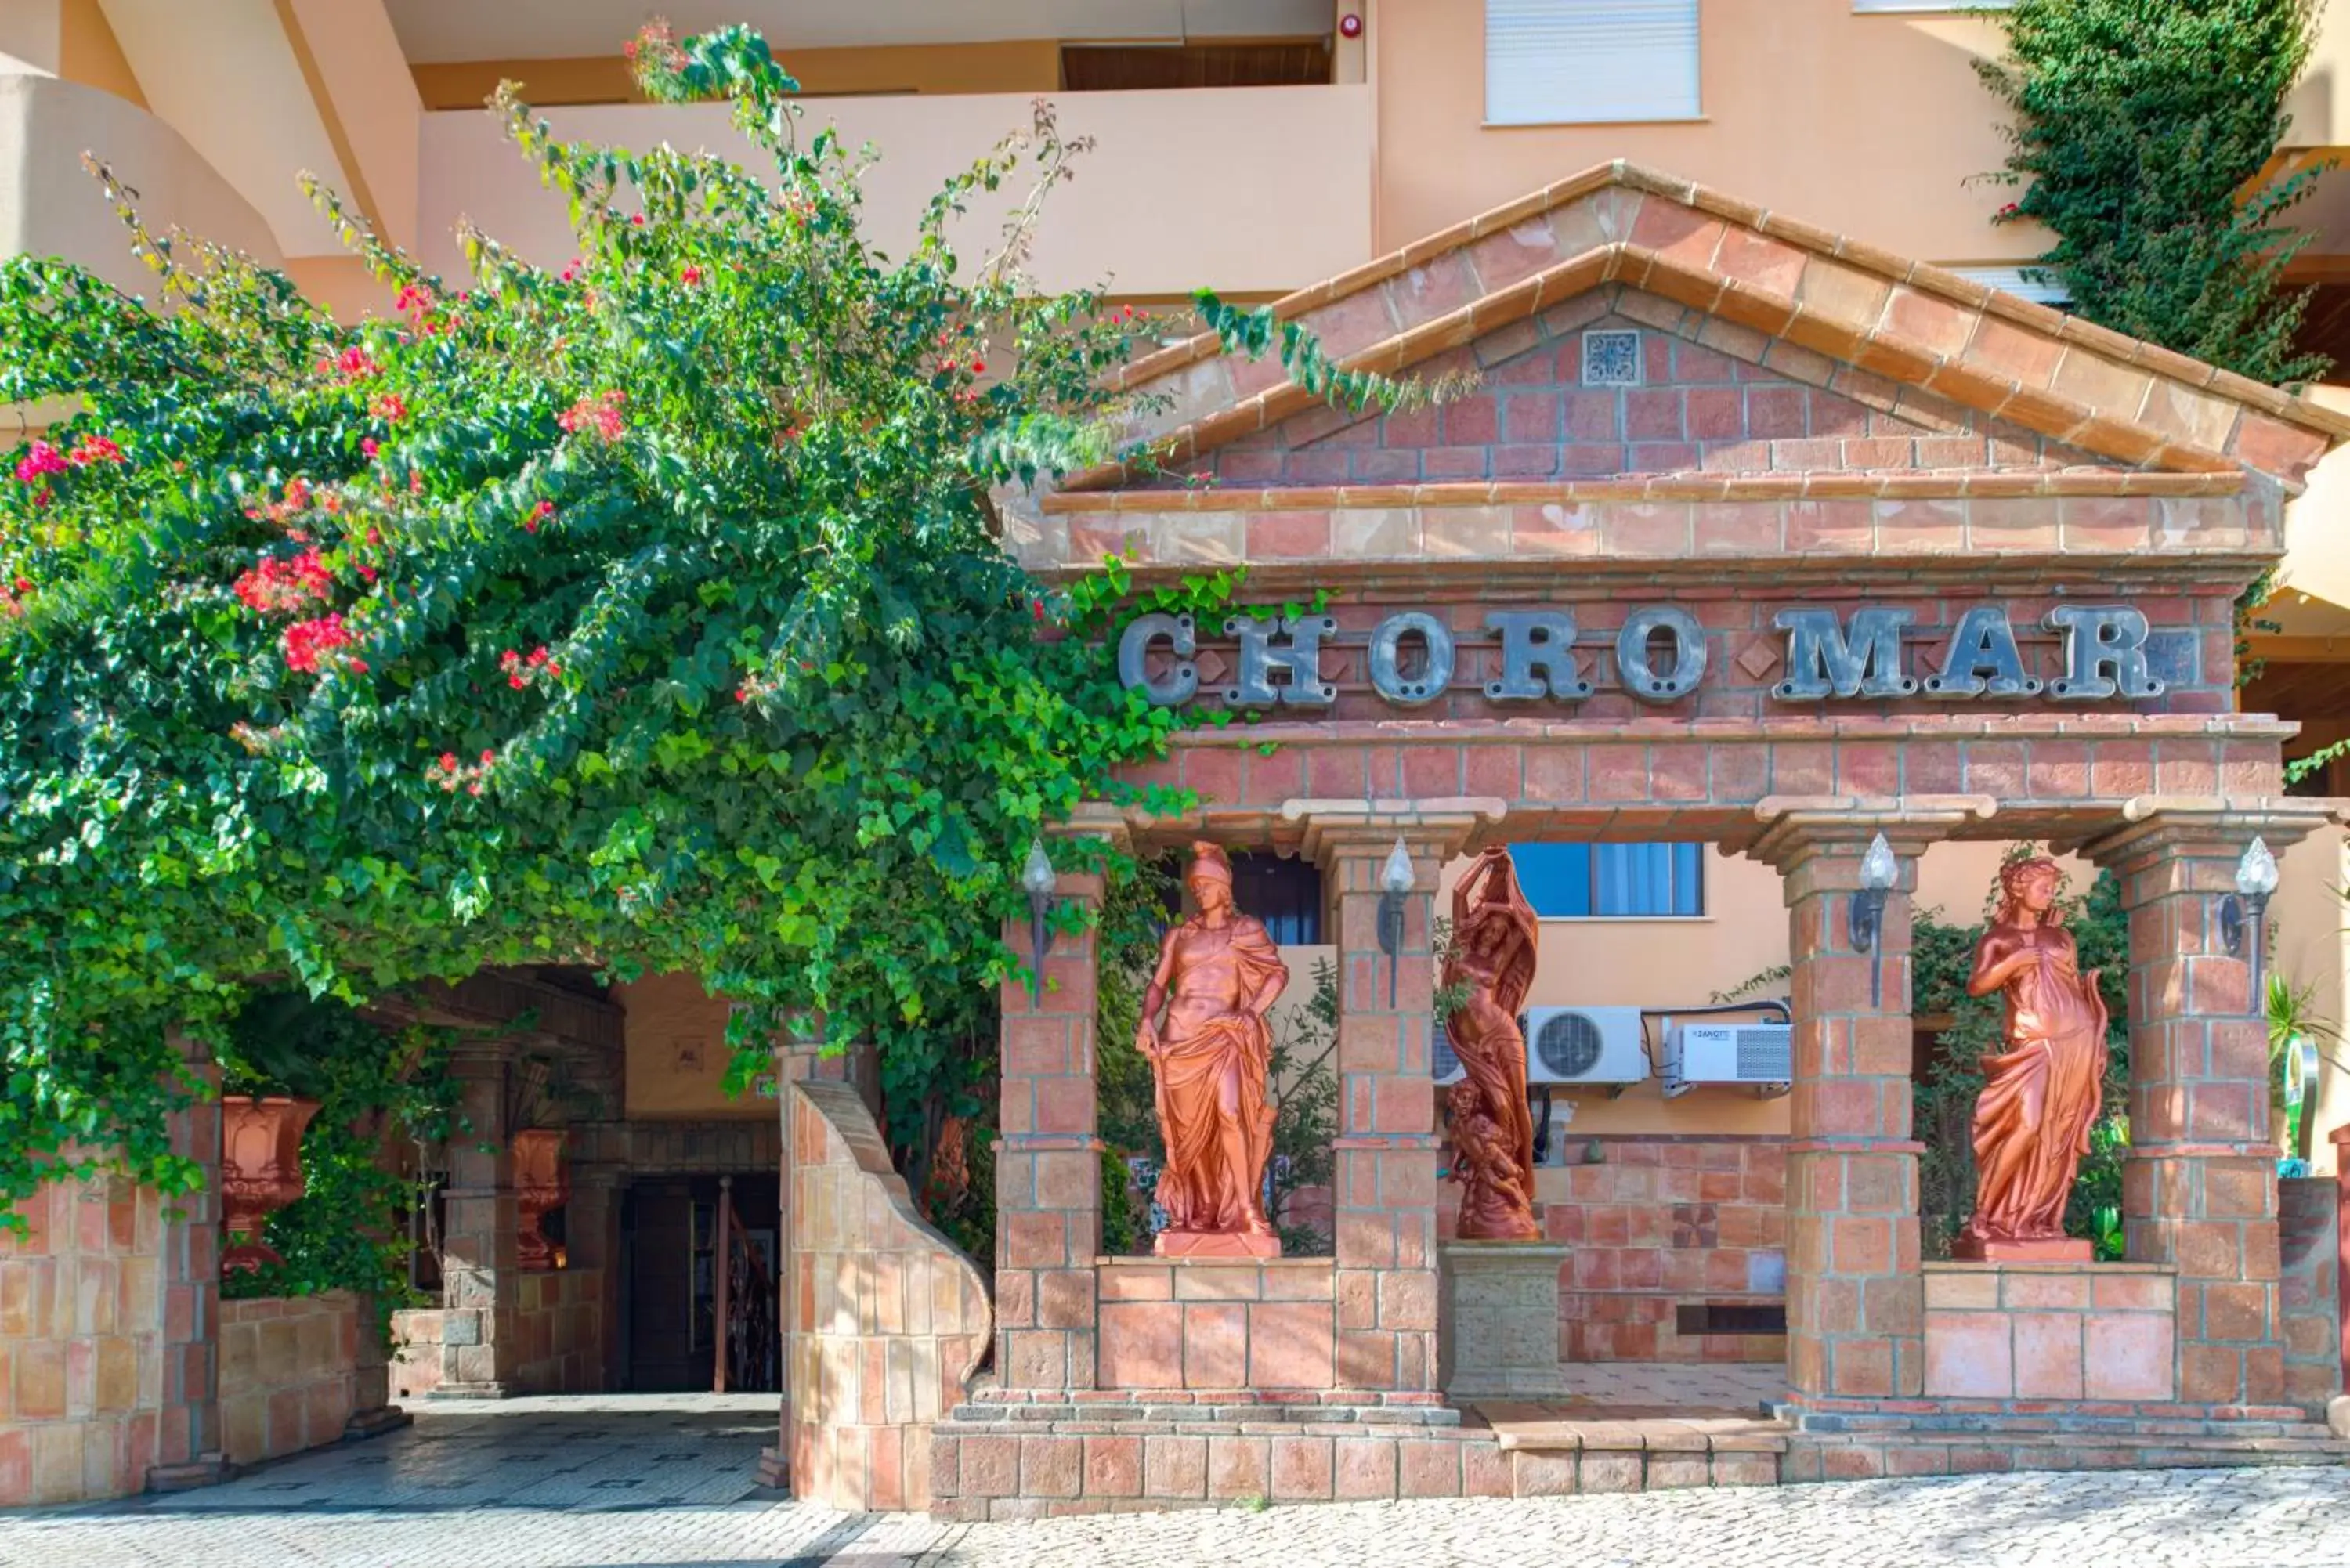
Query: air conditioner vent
<point x="1766" y="1053"/>
<point x="1568" y="1045"/>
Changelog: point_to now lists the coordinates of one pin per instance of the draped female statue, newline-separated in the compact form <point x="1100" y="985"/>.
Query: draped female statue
<point x="1493" y="958"/>
<point x="1209" y="1058"/>
<point x="2042" y="1094"/>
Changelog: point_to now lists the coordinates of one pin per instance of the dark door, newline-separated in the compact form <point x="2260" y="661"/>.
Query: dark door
<point x="661" y="1356"/>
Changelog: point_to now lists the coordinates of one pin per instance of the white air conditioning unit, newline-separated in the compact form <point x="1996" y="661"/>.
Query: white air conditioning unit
<point x="1585" y="1045"/>
<point x="1447" y="1066"/>
<point x="1759" y="1055"/>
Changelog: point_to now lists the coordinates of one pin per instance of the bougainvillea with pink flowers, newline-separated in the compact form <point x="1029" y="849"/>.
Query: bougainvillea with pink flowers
<point x="648" y="613"/>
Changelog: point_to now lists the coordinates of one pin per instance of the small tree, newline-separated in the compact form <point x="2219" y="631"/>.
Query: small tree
<point x="2142" y="132"/>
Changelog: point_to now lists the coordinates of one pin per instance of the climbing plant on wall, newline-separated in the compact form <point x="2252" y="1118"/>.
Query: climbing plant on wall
<point x="649" y="610"/>
<point x="2143" y="137"/>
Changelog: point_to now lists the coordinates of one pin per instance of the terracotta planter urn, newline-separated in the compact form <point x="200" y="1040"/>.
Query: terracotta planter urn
<point x="261" y="1170"/>
<point x="542" y="1182"/>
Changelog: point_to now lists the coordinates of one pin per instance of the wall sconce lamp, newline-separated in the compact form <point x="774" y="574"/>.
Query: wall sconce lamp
<point x="1394" y="880"/>
<point x="1879" y="872"/>
<point x="2244" y="911"/>
<point x="1038" y="877"/>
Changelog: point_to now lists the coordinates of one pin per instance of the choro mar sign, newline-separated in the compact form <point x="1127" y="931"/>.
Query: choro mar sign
<point x="1660" y="657"/>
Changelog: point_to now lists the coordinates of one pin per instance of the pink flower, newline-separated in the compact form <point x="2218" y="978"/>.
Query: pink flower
<point x="280" y="587"/>
<point x="413" y="297"/>
<point x="637" y="220"/>
<point x="369" y="446"/>
<point x="691" y="277"/>
<point x="307" y="641"/>
<point x="391" y="406"/>
<point x="94" y="449"/>
<point x="448" y="761"/>
<point x="355" y="363"/>
<point x="40" y="458"/>
<point x="538" y="515"/>
<point x="600" y="413"/>
<point x="487" y="757"/>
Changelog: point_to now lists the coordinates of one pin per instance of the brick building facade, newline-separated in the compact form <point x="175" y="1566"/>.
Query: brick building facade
<point x="1695" y="421"/>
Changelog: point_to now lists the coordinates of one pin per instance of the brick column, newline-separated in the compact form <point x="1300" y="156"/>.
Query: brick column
<point x="187" y="1431"/>
<point x="1049" y="1196"/>
<point x="1856" y="1295"/>
<point x="1383" y="1191"/>
<point x="2199" y="1186"/>
<point x="480" y="1275"/>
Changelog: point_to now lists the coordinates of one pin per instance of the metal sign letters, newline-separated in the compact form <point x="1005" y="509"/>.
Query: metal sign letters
<point x="1660" y="657"/>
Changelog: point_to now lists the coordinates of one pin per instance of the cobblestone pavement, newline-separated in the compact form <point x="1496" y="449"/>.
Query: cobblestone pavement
<point x="667" y="1480"/>
<point x="2200" y="1519"/>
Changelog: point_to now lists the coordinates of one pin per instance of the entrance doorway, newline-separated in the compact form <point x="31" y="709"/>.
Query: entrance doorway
<point x="699" y="1265"/>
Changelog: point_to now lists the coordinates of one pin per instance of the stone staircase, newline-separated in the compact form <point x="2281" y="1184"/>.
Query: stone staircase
<point x="1555" y="1451"/>
<point x="1966" y="1445"/>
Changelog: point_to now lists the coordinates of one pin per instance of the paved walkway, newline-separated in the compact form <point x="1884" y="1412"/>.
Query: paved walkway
<point x="660" y="1479"/>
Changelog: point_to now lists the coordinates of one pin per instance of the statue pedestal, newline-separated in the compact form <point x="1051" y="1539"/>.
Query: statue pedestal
<point x="1500" y="1337"/>
<point x="1214" y="1244"/>
<point x="2059" y="1249"/>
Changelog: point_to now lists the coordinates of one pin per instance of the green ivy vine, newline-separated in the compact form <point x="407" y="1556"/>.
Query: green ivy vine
<point x="649" y="611"/>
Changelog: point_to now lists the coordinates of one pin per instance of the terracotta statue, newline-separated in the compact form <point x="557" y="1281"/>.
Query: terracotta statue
<point x="1492" y="1187"/>
<point x="1209" y="1058"/>
<point x="2041" y="1096"/>
<point x="1492" y="956"/>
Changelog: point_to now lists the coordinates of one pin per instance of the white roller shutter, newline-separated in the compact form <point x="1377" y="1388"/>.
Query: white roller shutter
<point x="1564" y="62"/>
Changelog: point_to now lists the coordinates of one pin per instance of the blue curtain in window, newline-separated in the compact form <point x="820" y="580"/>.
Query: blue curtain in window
<point x="1612" y="880"/>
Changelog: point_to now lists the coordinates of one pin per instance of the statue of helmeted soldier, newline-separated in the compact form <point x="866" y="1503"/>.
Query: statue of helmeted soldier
<point x="1217" y="973"/>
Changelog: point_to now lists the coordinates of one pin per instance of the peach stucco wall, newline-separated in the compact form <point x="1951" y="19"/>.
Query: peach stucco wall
<point x="676" y="1040"/>
<point x="49" y="206"/>
<point x="1247" y="189"/>
<point x="1870" y="125"/>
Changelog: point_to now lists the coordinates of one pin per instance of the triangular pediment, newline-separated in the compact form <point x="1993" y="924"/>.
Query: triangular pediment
<point x="1619" y="383"/>
<point x="1927" y="357"/>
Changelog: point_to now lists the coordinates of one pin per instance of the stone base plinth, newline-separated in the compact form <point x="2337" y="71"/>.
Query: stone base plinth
<point x="2057" y="1250"/>
<point x="1214" y="1244"/>
<point x="2044" y="1332"/>
<point x="1501" y="1319"/>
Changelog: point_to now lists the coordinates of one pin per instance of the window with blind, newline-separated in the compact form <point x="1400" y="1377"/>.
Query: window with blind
<point x="1560" y="62"/>
<point x="1611" y="881"/>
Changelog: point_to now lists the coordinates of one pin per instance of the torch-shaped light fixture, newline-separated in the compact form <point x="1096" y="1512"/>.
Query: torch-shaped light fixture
<point x="2243" y="912"/>
<point x="1038" y="877"/>
<point x="1396" y="879"/>
<point x="1879" y="872"/>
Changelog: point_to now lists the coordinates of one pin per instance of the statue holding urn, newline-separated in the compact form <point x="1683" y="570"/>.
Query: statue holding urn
<point x="1217" y="973"/>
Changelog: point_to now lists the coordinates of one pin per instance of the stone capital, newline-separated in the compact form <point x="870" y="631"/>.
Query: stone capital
<point x="2154" y="826"/>
<point x="1794" y="829"/>
<point x="1330" y="831"/>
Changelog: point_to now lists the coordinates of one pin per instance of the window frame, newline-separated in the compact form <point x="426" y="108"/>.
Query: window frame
<point x="1693" y="114"/>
